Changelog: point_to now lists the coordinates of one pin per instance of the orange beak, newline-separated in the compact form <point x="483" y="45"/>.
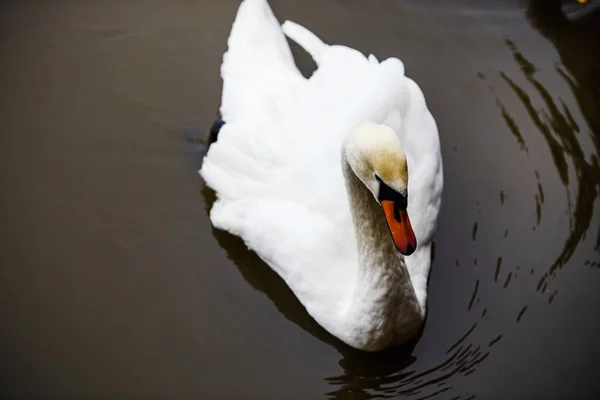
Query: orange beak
<point x="399" y="225"/>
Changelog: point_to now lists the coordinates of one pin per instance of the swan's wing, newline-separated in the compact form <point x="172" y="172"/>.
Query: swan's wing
<point x="258" y="69"/>
<point x="260" y="86"/>
<point x="251" y="165"/>
<point x="268" y="166"/>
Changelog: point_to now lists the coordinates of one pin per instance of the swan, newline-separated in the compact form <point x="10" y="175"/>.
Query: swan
<point x="335" y="181"/>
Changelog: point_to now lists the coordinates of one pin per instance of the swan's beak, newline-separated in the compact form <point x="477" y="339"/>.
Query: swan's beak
<point x="399" y="224"/>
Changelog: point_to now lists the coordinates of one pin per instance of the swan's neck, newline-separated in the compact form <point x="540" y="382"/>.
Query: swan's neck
<point x="384" y="296"/>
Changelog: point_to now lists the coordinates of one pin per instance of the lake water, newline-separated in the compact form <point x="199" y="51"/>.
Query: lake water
<point x="113" y="283"/>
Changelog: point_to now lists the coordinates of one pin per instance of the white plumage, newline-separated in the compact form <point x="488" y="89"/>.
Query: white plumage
<point x="285" y="183"/>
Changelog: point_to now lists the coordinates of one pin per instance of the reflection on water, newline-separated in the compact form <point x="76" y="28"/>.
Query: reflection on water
<point x="498" y="265"/>
<point x="539" y="199"/>
<point x="474" y="295"/>
<point x="560" y="131"/>
<point x="583" y="77"/>
<point x="520" y="315"/>
<point x="461" y="359"/>
<point x="558" y="127"/>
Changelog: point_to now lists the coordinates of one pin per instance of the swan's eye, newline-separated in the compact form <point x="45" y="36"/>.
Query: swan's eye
<point x="387" y="193"/>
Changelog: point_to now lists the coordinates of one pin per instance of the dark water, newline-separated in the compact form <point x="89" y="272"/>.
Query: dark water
<point x="113" y="283"/>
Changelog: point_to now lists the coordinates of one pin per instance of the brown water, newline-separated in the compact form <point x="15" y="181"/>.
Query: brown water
<point x="114" y="285"/>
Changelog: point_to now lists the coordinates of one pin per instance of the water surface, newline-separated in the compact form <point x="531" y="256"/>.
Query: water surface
<point x="113" y="282"/>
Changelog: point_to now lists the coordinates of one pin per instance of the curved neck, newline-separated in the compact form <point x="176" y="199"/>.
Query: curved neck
<point x="383" y="290"/>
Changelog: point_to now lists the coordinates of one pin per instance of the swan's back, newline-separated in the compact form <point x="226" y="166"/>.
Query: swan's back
<point x="276" y="166"/>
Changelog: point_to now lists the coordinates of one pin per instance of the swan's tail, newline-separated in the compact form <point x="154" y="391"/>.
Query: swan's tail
<point x="306" y="39"/>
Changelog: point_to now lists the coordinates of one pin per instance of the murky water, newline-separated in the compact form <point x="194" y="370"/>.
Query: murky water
<point x="114" y="284"/>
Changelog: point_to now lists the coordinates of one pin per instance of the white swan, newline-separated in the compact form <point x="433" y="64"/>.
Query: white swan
<point x="314" y="174"/>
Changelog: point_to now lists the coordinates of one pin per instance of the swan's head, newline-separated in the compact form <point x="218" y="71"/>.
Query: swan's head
<point x="376" y="157"/>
